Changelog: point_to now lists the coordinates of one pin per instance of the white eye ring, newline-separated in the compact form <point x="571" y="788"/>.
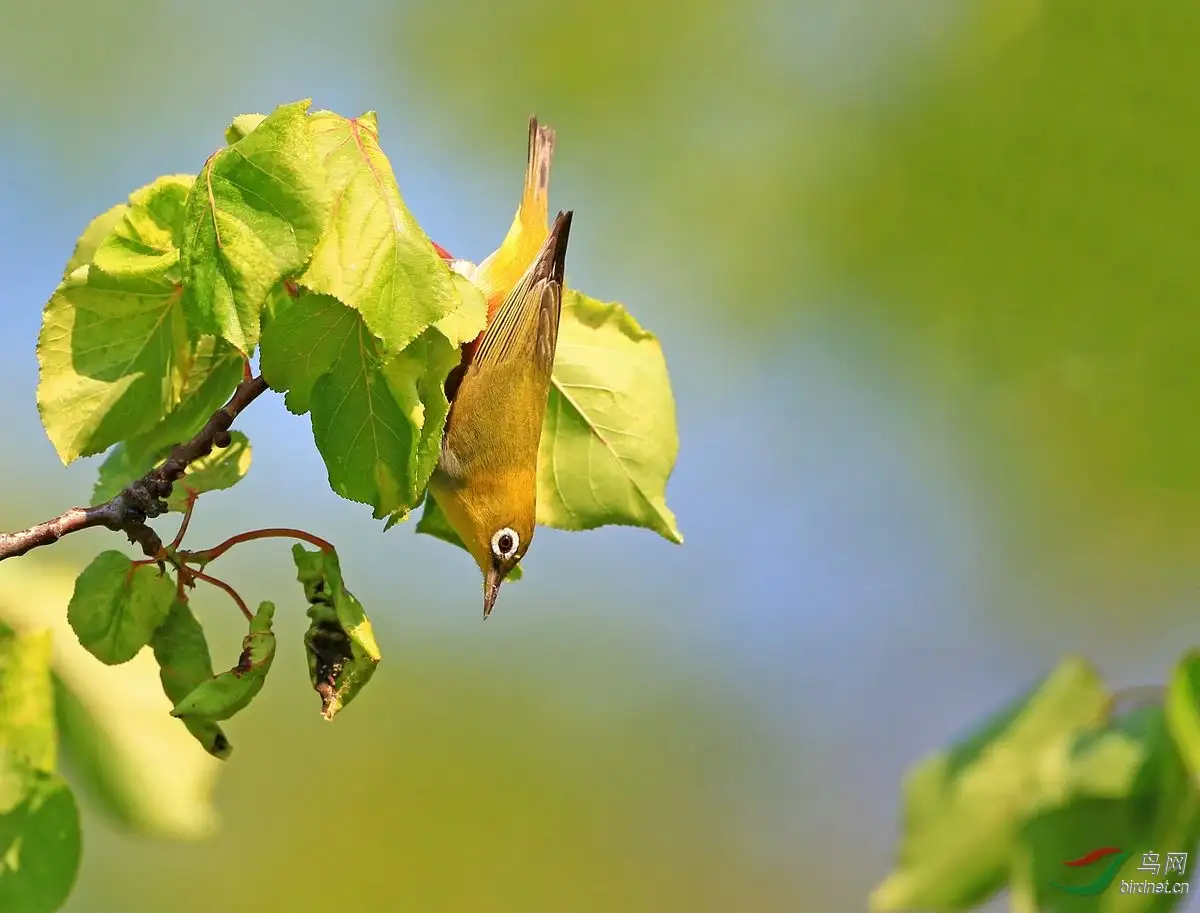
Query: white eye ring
<point x="505" y="537"/>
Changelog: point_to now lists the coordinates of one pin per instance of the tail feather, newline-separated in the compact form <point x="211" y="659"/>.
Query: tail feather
<point x="535" y="207"/>
<point x="498" y="273"/>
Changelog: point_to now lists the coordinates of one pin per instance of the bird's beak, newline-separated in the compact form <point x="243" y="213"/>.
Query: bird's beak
<point x="491" y="586"/>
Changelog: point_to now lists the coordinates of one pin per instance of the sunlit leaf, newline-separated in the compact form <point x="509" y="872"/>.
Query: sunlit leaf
<point x="211" y="373"/>
<point x="145" y="241"/>
<point x="253" y="216"/>
<point x="97" y="230"/>
<point x="27" y="732"/>
<point x="242" y="126"/>
<point x="221" y="469"/>
<point x="112" y="354"/>
<point x="117" y="606"/>
<point x="373" y="255"/>
<point x="609" y="440"/>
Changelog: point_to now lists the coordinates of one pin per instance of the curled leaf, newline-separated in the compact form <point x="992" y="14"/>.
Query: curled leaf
<point x="242" y="126"/>
<point x="342" y="653"/>
<point x="184" y="663"/>
<point x="230" y="692"/>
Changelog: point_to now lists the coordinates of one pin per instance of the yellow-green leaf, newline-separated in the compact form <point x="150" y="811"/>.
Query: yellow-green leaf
<point x="252" y="218"/>
<point x="609" y="439"/>
<point x="112" y="354"/>
<point x="373" y="256"/>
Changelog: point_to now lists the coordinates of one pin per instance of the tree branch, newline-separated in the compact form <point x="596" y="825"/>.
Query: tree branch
<point x="146" y="497"/>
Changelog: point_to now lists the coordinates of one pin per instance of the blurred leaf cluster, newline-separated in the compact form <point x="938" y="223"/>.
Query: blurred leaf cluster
<point x="1059" y="797"/>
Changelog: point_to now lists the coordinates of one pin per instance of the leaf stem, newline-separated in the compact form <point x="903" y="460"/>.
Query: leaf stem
<point x="212" y="554"/>
<point x="192" y="494"/>
<point x="221" y="584"/>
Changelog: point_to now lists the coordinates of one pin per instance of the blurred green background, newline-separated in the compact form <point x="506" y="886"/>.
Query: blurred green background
<point x="923" y="273"/>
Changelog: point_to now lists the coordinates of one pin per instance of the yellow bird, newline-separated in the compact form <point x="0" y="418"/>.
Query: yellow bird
<point x="486" y="478"/>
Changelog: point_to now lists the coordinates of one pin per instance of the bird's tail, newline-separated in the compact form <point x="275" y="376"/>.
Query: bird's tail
<point x="500" y="271"/>
<point x="535" y="201"/>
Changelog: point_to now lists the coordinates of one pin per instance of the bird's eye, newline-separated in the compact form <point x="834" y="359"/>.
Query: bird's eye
<point x="505" y="543"/>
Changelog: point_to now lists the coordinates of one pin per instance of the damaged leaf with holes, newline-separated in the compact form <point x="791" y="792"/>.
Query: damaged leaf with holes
<point x="342" y="653"/>
<point x="229" y="693"/>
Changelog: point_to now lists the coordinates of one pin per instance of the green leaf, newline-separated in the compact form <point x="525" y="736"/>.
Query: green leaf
<point x="112" y="355"/>
<point x="230" y="692"/>
<point x="39" y="824"/>
<point x="373" y="255"/>
<point x="342" y="653"/>
<point x="221" y="469"/>
<point x="117" y="606"/>
<point x="97" y="230"/>
<point x="26" y="700"/>
<point x="963" y="808"/>
<point x="1183" y="711"/>
<point x="433" y="522"/>
<point x="242" y="126"/>
<point x="377" y="419"/>
<point x="181" y="650"/>
<point x="253" y="217"/>
<point x="213" y="372"/>
<point x="1126" y="788"/>
<point x="40" y="844"/>
<point x="609" y="439"/>
<point x="146" y="239"/>
<point x="301" y="343"/>
<point x="116" y="734"/>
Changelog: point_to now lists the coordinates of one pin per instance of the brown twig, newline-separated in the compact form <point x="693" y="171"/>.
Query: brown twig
<point x="222" y="585"/>
<point x="142" y="499"/>
<point x="208" y="555"/>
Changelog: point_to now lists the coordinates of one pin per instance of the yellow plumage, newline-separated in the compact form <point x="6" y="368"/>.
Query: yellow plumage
<point x="486" y="477"/>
